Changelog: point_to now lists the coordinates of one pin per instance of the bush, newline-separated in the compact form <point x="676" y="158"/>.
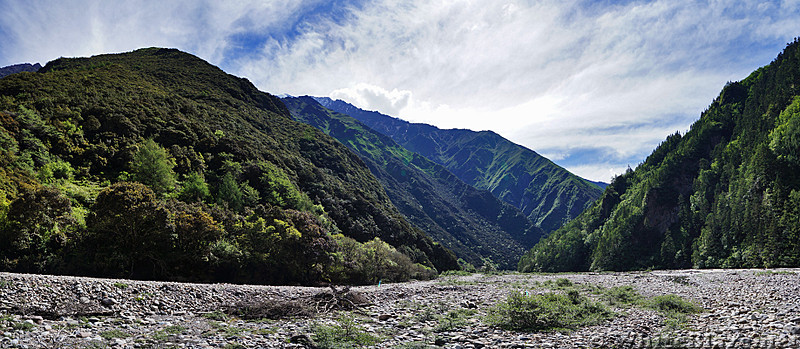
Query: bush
<point x="673" y="304"/>
<point x="621" y="296"/>
<point x="549" y="311"/>
<point x="674" y="308"/>
<point x="373" y="261"/>
<point x="345" y="333"/>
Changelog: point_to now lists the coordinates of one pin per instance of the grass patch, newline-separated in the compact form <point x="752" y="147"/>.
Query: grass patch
<point x="674" y="308"/>
<point x="345" y="333"/>
<point x="176" y="329"/>
<point x="216" y="315"/>
<point x="121" y="285"/>
<point x="21" y="325"/>
<point x="454" y="319"/>
<point x="548" y="311"/>
<point x="114" y="334"/>
<point x="771" y="272"/>
<point x="455" y="273"/>
<point x="621" y="296"/>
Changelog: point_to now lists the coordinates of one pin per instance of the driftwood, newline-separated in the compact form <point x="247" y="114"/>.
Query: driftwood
<point x="338" y="299"/>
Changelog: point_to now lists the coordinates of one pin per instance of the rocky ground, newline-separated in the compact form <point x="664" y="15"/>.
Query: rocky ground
<point x="742" y="308"/>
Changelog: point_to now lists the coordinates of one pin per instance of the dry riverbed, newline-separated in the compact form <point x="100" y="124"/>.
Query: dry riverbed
<point x="742" y="309"/>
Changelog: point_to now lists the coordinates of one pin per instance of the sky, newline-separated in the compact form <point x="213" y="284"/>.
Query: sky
<point x="594" y="86"/>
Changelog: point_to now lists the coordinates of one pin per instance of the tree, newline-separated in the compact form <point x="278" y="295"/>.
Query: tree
<point x="132" y="229"/>
<point x="229" y="193"/>
<point x="37" y="223"/>
<point x="152" y="166"/>
<point x="194" y="188"/>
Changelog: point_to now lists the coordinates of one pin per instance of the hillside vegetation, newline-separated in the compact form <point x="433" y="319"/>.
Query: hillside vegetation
<point x="725" y="194"/>
<point x="476" y="226"/>
<point x="546" y="193"/>
<point x="156" y="164"/>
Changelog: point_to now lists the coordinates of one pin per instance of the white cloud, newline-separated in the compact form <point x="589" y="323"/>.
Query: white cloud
<point x="558" y="76"/>
<point x="371" y="97"/>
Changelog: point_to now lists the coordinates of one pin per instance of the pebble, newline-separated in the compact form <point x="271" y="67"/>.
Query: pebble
<point x="743" y="308"/>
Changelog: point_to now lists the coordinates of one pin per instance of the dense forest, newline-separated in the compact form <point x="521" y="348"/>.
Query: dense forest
<point x="479" y="228"/>
<point x="725" y="194"/>
<point x="546" y="193"/>
<point x="155" y="164"/>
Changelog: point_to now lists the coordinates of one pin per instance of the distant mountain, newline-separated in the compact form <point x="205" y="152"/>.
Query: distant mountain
<point x="725" y="194"/>
<point x="602" y="185"/>
<point x="19" y="68"/>
<point x="155" y="164"/>
<point x="472" y="223"/>
<point x="546" y="193"/>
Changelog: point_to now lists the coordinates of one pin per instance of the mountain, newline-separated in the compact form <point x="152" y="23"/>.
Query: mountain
<point x="545" y="192"/>
<point x="725" y="194"/>
<point x="156" y="164"/>
<point x="19" y="68"/>
<point x="472" y="223"/>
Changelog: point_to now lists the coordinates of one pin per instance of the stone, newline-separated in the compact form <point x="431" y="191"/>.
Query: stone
<point x="108" y="301"/>
<point x="384" y="317"/>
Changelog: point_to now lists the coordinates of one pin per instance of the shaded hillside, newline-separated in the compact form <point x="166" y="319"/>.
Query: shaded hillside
<point x="235" y="189"/>
<point x="470" y="222"/>
<point x="546" y="193"/>
<point x="19" y="68"/>
<point x="725" y="194"/>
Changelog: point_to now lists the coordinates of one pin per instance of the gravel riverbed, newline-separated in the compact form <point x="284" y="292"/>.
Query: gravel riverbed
<point x="742" y="309"/>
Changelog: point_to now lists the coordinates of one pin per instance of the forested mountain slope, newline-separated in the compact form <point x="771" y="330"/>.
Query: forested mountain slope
<point x="725" y="194"/>
<point x="472" y="223"/>
<point x="545" y="192"/>
<point x="156" y="164"/>
<point x="19" y="68"/>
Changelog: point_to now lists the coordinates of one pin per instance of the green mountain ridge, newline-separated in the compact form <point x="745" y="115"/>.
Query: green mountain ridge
<point x="545" y="192"/>
<point x="234" y="185"/>
<point x="472" y="223"/>
<point x="725" y="194"/>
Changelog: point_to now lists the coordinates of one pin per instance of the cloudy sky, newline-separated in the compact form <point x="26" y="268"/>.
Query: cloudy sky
<point x="593" y="85"/>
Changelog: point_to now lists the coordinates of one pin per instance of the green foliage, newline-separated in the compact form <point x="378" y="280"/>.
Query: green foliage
<point x="621" y="296"/>
<point x="725" y="194"/>
<point x="39" y="223"/>
<point x="132" y="229"/>
<point x="670" y="303"/>
<point x="229" y="193"/>
<point x="454" y="319"/>
<point x="111" y="334"/>
<point x="674" y="308"/>
<point x="78" y="125"/>
<point x="345" y="333"/>
<point x="152" y="166"/>
<point x="194" y="188"/>
<point x="546" y="193"/>
<point x="474" y="224"/>
<point x="373" y="261"/>
<point x="549" y="311"/>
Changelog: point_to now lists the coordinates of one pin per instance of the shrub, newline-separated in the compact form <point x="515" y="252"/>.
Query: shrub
<point x="549" y="311"/>
<point x="345" y="333"/>
<point x="671" y="304"/>
<point x="621" y="296"/>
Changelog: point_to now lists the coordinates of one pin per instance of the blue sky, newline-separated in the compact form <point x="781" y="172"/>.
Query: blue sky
<point x="593" y="85"/>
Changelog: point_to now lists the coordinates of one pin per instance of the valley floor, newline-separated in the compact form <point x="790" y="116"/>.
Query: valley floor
<point x="743" y="308"/>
